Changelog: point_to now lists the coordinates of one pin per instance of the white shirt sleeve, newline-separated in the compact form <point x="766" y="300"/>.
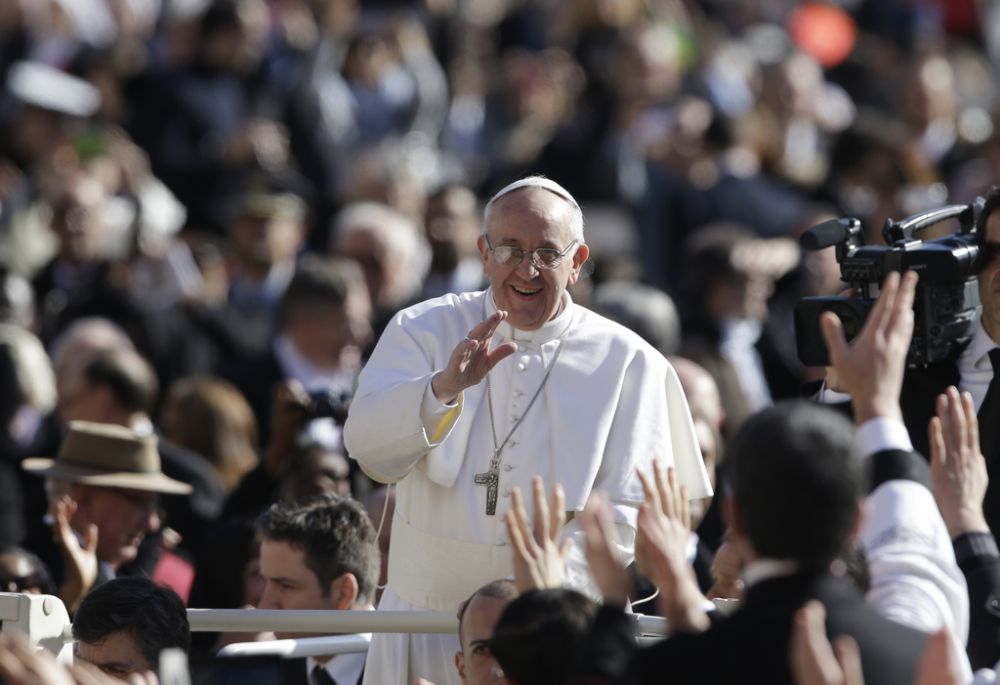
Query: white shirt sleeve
<point x="914" y="577"/>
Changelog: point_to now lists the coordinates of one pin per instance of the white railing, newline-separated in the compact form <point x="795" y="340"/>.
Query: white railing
<point x="287" y="620"/>
<point x="46" y="622"/>
<point x="307" y="621"/>
<point x="330" y="645"/>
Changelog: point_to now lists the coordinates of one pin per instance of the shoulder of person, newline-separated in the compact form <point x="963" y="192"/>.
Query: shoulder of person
<point x="444" y="306"/>
<point x="597" y="327"/>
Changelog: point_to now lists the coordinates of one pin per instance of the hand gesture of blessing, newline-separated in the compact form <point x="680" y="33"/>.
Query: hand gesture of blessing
<point x="471" y="360"/>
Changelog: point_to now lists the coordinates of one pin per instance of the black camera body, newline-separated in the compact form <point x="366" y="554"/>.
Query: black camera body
<point x="946" y="306"/>
<point x="329" y="404"/>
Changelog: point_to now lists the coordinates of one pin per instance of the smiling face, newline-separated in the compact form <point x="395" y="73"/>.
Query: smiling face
<point x="530" y="218"/>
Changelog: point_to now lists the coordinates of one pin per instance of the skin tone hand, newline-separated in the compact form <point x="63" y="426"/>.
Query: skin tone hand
<point x="871" y="366"/>
<point x="603" y="555"/>
<point x="814" y="660"/>
<point x="471" y="360"/>
<point x="661" y="550"/>
<point x="80" y="560"/>
<point x="958" y="469"/>
<point x="726" y="569"/>
<point x="539" y="559"/>
<point x="289" y="416"/>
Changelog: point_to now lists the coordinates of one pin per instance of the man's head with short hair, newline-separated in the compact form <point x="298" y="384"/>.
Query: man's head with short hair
<point x="476" y="618"/>
<point x="326" y="310"/>
<point x="796" y="483"/>
<point x="988" y="230"/>
<point x="319" y="555"/>
<point x="124" y="624"/>
<point x="539" y="636"/>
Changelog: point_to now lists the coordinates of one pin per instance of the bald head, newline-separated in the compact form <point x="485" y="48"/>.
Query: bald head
<point x="701" y="391"/>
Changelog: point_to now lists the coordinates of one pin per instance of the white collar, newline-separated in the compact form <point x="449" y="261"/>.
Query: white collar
<point x="345" y="669"/>
<point x="975" y="357"/>
<point x="764" y="569"/>
<point x="550" y="330"/>
<point x="301" y="369"/>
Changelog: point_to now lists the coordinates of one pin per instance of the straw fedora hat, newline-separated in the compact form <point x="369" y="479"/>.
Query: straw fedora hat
<point x="110" y="456"/>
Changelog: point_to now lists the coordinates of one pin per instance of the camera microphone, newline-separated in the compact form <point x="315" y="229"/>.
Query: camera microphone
<point x="826" y="234"/>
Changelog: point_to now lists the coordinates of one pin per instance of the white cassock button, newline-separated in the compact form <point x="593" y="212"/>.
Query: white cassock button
<point x="508" y="467"/>
<point x="525" y="359"/>
<point x="521" y="366"/>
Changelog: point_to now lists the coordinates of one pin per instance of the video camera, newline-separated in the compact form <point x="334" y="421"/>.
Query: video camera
<point x="946" y="306"/>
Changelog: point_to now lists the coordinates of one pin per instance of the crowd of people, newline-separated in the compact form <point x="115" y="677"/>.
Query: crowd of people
<point x="298" y="297"/>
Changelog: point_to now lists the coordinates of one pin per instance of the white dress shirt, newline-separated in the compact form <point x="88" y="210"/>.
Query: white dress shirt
<point x="974" y="366"/>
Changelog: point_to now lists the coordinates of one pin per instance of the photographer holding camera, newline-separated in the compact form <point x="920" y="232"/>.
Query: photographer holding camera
<point x="954" y="342"/>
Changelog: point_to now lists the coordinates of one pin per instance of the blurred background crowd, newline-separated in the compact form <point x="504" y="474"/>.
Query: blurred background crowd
<point x="203" y="200"/>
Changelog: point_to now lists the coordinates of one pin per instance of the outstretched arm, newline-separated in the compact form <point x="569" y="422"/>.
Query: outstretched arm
<point x="914" y="578"/>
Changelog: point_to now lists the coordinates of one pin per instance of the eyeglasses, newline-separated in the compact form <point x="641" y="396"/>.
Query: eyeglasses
<point x="543" y="258"/>
<point x="32" y="581"/>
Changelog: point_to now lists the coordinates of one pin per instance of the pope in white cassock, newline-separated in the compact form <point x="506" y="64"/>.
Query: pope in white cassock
<point x="467" y="396"/>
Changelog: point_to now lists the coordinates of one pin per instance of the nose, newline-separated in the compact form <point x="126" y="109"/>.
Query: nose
<point x="268" y="600"/>
<point x="526" y="269"/>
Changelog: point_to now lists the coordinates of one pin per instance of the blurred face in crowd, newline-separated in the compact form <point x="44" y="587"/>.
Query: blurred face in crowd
<point x="290" y="584"/>
<point x="475" y="663"/>
<point x="78" y="220"/>
<point x="261" y="241"/>
<point x="123" y="518"/>
<point x="318" y="471"/>
<point x="331" y="336"/>
<point x="528" y="219"/>
<point x="452" y="227"/>
<point x="18" y="575"/>
<point x="365" y="247"/>
<point x="989" y="280"/>
<point x="117" y="654"/>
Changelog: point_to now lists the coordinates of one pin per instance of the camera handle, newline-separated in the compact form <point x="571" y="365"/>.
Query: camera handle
<point x="903" y="230"/>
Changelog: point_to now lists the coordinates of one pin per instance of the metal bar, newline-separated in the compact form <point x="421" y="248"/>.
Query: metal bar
<point x="650" y="625"/>
<point x="301" y="647"/>
<point x="259" y="620"/>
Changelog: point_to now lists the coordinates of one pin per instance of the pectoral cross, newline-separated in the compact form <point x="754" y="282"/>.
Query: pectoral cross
<point x="491" y="479"/>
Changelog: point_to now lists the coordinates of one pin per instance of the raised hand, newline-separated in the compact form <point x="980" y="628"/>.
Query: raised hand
<point x="871" y="366"/>
<point x="539" y="559"/>
<point x="79" y="559"/>
<point x="814" y="660"/>
<point x="958" y="469"/>
<point x="661" y="550"/>
<point x="603" y="555"/>
<point x="471" y="360"/>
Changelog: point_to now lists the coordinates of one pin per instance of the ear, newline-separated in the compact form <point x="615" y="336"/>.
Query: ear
<point x="737" y="535"/>
<point x="484" y="248"/>
<point x="460" y="664"/>
<point x="579" y="259"/>
<point x="344" y="591"/>
<point x="859" y="519"/>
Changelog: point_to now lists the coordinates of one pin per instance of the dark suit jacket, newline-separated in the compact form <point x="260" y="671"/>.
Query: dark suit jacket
<point x="979" y="559"/>
<point x="754" y="641"/>
<point x="293" y="672"/>
<point x="256" y="379"/>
